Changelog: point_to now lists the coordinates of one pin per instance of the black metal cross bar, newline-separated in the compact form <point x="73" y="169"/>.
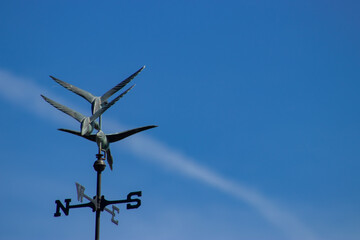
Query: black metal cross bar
<point x="128" y="200"/>
<point x="67" y="207"/>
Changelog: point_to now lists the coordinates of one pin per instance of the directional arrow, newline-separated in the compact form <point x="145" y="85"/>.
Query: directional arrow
<point x="114" y="208"/>
<point x="80" y="189"/>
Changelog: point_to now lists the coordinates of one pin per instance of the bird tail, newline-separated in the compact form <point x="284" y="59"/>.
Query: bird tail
<point x="109" y="158"/>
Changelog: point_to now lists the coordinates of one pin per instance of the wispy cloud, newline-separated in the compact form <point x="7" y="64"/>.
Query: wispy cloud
<point x="147" y="147"/>
<point x="25" y="93"/>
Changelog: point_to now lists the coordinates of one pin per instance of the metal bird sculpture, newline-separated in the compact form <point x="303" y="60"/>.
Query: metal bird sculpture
<point x="87" y="124"/>
<point x="103" y="140"/>
<point x="97" y="102"/>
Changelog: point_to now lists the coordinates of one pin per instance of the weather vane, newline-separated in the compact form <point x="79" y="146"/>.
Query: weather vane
<point x="99" y="105"/>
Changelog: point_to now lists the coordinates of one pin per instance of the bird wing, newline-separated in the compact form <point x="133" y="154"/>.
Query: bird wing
<point x="119" y="86"/>
<point x="121" y="135"/>
<point x="107" y="106"/>
<point x="91" y="137"/>
<point x="88" y="96"/>
<point x="76" y="115"/>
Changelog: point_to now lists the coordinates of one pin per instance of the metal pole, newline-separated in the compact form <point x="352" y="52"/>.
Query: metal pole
<point x="98" y="195"/>
<point x="99" y="166"/>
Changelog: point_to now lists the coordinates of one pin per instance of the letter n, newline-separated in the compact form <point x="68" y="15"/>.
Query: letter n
<point x="59" y="206"/>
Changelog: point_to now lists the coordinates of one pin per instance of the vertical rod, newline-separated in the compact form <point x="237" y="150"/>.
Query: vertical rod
<point x="98" y="198"/>
<point x="99" y="166"/>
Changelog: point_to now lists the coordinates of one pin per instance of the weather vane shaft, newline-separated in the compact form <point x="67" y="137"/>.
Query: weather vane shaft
<point x="99" y="105"/>
<point x="99" y="166"/>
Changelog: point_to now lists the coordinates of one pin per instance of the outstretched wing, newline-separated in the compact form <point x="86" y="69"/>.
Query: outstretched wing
<point x="91" y="137"/>
<point x="119" y="86"/>
<point x="119" y="136"/>
<point x="88" y="96"/>
<point x="107" y="106"/>
<point x="76" y="115"/>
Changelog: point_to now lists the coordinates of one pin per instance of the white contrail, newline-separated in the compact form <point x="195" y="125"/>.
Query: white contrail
<point x="149" y="148"/>
<point x="27" y="94"/>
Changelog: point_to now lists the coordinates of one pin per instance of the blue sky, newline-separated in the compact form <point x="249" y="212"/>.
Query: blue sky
<point x="256" y="103"/>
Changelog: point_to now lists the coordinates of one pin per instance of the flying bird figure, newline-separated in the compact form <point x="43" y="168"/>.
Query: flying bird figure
<point x="87" y="124"/>
<point x="97" y="102"/>
<point x="103" y="140"/>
